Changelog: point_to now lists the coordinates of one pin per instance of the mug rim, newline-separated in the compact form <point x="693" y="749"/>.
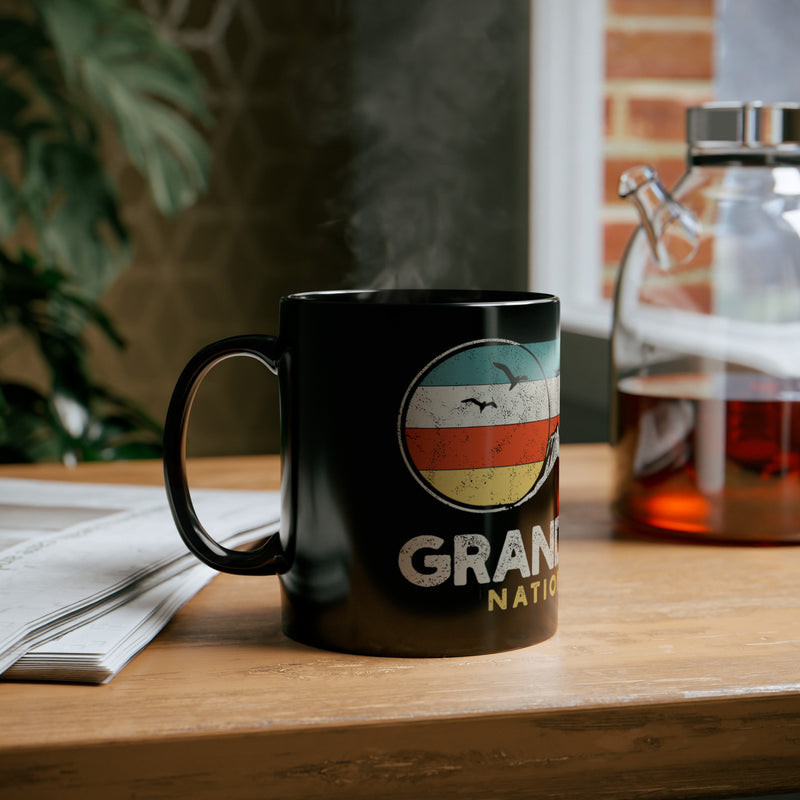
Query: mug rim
<point x="424" y="297"/>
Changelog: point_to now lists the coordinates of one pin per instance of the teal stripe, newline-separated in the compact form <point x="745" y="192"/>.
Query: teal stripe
<point x="476" y="365"/>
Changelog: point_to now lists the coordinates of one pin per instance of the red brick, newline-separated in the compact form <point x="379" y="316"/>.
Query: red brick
<point x="668" y="169"/>
<point x="609" y="283"/>
<point x="659" y="54"/>
<point x="615" y="239"/>
<point x="663" y="8"/>
<point x="688" y="296"/>
<point x="657" y="119"/>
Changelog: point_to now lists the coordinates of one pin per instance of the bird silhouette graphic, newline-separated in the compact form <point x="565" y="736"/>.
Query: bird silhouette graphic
<point x="480" y="403"/>
<point x="513" y="379"/>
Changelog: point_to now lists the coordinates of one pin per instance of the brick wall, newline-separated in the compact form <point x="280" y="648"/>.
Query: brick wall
<point x="659" y="61"/>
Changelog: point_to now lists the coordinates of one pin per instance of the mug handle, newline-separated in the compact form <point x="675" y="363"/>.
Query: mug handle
<point x="264" y="560"/>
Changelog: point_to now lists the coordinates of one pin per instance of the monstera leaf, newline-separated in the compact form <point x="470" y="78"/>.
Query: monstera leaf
<point x="71" y="72"/>
<point x="74" y="64"/>
<point x="68" y="196"/>
<point x="111" y="53"/>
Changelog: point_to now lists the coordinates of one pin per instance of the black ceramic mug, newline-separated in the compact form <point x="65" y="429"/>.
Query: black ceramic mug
<point x="419" y="436"/>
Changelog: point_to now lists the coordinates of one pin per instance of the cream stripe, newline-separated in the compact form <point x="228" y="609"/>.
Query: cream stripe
<point x="443" y="406"/>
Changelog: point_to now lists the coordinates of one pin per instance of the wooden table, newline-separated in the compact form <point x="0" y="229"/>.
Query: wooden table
<point x="675" y="673"/>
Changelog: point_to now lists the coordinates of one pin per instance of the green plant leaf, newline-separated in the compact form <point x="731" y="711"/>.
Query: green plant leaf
<point x="34" y="427"/>
<point x="28" y="431"/>
<point x="148" y="86"/>
<point x="9" y="207"/>
<point x="74" y="209"/>
<point x="61" y="69"/>
<point x="32" y="74"/>
<point x="42" y="303"/>
<point x="22" y="41"/>
<point x="12" y="104"/>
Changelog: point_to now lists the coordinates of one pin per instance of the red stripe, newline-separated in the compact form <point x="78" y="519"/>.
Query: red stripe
<point x="479" y="447"/>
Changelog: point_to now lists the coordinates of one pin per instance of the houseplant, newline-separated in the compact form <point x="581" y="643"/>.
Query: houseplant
<point x="71" y="71"/>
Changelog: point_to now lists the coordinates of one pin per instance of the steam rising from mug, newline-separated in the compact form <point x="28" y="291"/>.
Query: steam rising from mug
<point x="437" y="111"/>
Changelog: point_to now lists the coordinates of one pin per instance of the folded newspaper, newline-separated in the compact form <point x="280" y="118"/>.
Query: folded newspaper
<point x="89" y="573"/>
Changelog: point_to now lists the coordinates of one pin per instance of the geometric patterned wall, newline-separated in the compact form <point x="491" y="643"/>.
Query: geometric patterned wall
<point x="293" y="86"/>
<point x="220" y="268"/>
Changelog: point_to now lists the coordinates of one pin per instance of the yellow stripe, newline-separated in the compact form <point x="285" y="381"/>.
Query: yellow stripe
<point x="492" y="486"/>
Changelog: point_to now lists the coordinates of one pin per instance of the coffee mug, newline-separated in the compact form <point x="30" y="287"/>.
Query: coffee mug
<point x="419" y="490"/>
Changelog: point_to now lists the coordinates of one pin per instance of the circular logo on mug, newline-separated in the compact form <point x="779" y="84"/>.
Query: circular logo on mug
<point x="478" y="427"/>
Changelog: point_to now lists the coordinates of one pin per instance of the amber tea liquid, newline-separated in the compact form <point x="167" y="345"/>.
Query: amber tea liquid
<point x="709" y="457"/>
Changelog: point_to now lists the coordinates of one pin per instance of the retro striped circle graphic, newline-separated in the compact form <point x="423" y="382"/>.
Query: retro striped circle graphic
<point x="478" y="427"/>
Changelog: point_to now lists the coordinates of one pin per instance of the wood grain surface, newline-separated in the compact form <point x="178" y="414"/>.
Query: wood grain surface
<point x="675" y="673"/>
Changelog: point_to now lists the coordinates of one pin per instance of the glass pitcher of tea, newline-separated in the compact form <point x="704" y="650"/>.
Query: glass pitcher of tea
<point x="706" y="336"/>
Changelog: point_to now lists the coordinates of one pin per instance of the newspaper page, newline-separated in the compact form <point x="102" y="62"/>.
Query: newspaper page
<point x="89" y="573"/>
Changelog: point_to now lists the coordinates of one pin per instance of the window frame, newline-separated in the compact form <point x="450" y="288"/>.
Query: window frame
<point x="567" y="75"/>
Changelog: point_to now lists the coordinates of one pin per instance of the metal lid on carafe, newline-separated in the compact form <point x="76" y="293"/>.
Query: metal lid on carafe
<point x="743" y="127"/>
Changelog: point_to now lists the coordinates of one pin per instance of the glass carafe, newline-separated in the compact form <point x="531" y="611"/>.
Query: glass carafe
<point x="706" y="339"/>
